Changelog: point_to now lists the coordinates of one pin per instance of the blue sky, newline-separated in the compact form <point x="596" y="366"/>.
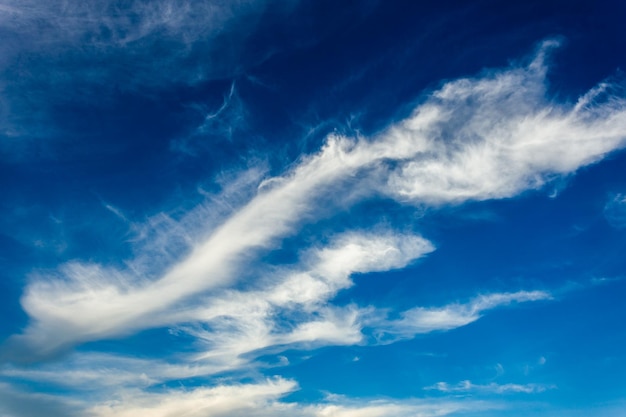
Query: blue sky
<point x="312" y="208"/>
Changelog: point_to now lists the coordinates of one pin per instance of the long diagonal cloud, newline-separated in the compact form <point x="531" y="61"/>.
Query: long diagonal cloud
<point x="489" y="137"/>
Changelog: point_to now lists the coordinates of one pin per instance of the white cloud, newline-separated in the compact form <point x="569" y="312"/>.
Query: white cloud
<point x="257" y="399"/>
<point x="237" y="328"/>
<point x="498" y="135"/>
<point x="236" y="323"/>
<point x="263" y="399"/>
<point x="229" y="324"/>
<point x="474" y="139"/>
<point x="86" y="371"/>
<point x="421" y="320"/>
<point x="390" y="409"/>
<point x="219" y="124"/>
<point x="17" y="403"/>
<point x="468" y="386"/>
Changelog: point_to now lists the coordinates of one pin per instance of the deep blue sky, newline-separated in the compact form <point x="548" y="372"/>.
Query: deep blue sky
<point x="312" y="208"/>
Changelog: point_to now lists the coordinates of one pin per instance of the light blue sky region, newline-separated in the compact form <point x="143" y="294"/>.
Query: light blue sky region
<point x="312" y="208"/>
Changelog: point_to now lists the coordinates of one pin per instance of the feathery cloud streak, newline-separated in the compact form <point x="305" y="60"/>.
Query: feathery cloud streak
<point x="473" y="139"/>
<point x="263" y="399"/>
<point x="468" y="386"/>
<point x="615" y="211"/>
<point x="238" y="327"/>
<point x="420" y="320"/>
<point x="174" y="33"/>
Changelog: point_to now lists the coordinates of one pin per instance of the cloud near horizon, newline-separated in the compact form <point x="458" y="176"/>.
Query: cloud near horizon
<point x="468" y="386"/>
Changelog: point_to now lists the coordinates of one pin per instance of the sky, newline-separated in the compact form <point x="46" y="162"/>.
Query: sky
<point x="312" y="208"/>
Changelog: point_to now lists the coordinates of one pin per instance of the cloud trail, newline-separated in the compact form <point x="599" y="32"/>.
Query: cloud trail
<point x="473" y="139"/>
<point x="420" y="320"/>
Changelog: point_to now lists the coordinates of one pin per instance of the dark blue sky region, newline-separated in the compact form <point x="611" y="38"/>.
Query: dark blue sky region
<point x="312" y="208"/>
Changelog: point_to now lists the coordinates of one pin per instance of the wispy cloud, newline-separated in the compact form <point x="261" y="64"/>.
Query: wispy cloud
<point x="131" y="32"/>
<point x="233" y="327"/>
<point x="256" y="399"/>
<point x="615" y="211"/>
<point x="263" y="399"/>
<point x="14" y="402"/>
<point x="498" y="135"/>
<point x="87" y="371"/>
<point x="236" y="322"/>
<point x="79" y="50"/>
<point x="219" y="124"/>
<point x="468" y="386"/>
<point x="489" y="137"/>
<point x="422" y="320"/>
<point x="238" y="327"/>
<point x="473" y="139"/>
